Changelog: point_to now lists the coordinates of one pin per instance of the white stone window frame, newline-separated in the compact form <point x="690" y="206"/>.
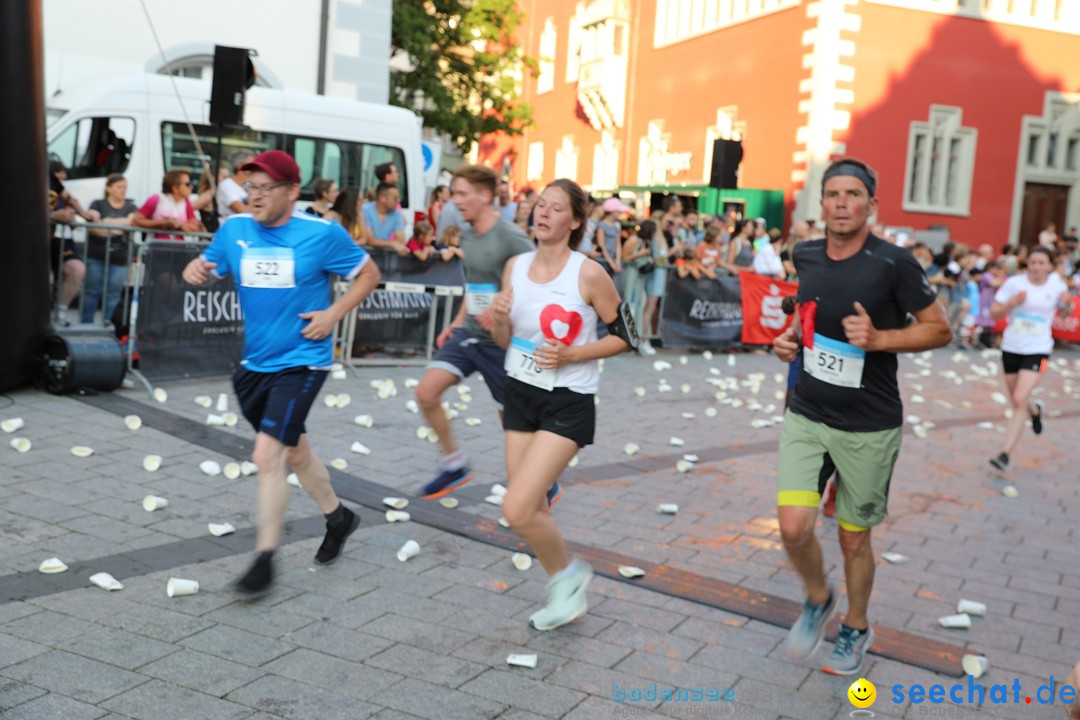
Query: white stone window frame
<point x="606" y="162"/>
<point x="679" y="20"/>
<point x="574" y="38"/>
<point x="566" y="158"/>
<point x="1061" y="116"/>
<point x="534" y="166"/>
<point x="922" y="173"/>
<point x="549" y="43"/>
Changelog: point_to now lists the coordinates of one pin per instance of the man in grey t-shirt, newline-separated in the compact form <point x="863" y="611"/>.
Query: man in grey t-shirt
<point x="466" y="346"/>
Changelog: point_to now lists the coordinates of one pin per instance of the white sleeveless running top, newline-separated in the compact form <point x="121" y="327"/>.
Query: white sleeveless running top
<point x="556" y="310"/>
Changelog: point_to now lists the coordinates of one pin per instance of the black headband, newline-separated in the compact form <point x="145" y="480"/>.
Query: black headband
<point x="855" y="171"/>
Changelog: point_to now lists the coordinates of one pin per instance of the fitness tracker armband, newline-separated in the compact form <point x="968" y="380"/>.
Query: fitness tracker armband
<point x="624" y="327"/>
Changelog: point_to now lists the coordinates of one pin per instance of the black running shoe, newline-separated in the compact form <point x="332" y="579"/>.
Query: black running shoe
<point x="335" y="538"/>
<point x="1036" y="418"/>
<point x="1001" y="462"/>
<point x="257" y="580"/>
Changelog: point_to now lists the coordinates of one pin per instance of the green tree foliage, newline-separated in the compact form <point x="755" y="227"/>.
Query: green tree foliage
<point x="465" y="66"/>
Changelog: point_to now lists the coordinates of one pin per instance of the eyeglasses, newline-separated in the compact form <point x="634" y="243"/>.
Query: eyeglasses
<point x="251" y="189"/>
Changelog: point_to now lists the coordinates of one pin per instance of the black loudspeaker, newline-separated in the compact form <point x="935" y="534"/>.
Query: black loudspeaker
<point x="726" y="156"/>
<point x="234" y="73"/>
<point x="80" y="358"/>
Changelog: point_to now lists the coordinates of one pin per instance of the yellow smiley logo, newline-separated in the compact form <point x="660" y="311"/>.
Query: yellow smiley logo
<point x="862" y="693"/>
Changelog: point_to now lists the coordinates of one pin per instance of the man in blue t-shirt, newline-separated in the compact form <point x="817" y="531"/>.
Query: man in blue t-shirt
<point x="384" y="223"/>
<point x="281" y="262"/>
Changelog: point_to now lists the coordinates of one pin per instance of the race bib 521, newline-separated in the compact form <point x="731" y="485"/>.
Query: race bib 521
<point x="834" y="362"/>
<point x="268" y="268"/>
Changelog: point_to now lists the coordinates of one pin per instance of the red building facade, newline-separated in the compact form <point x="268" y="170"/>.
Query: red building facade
<point x="968" y="109"/>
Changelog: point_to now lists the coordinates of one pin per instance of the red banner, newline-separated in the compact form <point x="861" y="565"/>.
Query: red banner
<point x="1068" y="329"/>
<point x="763" y="318"/>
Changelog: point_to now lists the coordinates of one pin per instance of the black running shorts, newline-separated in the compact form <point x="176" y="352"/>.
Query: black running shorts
<point x="560" y="411"/>
<point x="277" y="403"/>
<point x="1014" y="363"/>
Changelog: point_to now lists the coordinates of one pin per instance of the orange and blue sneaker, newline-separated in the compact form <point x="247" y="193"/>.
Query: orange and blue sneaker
<point x="446" y="482"/>
<point x="554" y="493"/>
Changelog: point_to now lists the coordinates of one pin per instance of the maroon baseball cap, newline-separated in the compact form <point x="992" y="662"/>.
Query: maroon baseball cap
<point x="275" y="163"/>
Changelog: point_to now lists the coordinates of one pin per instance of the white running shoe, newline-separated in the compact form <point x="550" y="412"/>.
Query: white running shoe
<point x="647" y="348"/>
<point x="566" y="597"/>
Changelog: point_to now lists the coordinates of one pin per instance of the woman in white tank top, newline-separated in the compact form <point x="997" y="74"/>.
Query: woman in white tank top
<point x="546" y="318"/>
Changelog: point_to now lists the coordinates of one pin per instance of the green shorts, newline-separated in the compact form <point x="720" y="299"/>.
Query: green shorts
<point x="864" y="462"/>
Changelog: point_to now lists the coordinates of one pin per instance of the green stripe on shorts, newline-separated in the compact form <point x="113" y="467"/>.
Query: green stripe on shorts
<point x="864" y="463"/>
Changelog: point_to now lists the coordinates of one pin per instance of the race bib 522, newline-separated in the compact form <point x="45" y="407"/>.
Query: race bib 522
<point x="268" y="268"/>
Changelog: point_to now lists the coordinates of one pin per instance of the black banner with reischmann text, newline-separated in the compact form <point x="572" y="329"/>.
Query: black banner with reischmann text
<point x="395" y="319"/>
<point x="185" y="331"/>
<point x="702" y="313"/>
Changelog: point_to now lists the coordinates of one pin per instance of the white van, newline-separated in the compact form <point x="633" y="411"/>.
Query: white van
<point x="134" y="125"/>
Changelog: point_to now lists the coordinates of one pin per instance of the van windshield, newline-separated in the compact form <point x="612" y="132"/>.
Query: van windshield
<point x="345" y="162"/>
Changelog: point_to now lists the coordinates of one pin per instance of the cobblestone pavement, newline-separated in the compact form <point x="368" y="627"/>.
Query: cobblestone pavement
<point x="371" y="637"/>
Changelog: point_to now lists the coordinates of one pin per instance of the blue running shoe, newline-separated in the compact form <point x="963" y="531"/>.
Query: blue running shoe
<point x="446" y="483"/>
<point x="554" y="493"/>
<point x="806" y="634"/>
<point x="847" y="656"/>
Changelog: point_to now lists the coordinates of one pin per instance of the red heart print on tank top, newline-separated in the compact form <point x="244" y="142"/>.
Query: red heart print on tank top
<point x="560" y="324"/>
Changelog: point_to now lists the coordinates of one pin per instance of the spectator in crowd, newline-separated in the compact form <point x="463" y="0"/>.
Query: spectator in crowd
<point x="384" y="223"/>
<point x="439" y="197"/>
<point x="347" y="211"/>
<point x="985" y="258"/>
<point x="1048" y="237"/>
<point x="1072" y="244"/>
<point x="326" y="193"/>
<point x="594" y="211"/>
<point x="387" y="172"/>
<point x="689" y="234"/>
<point x="204" y="198"/>
<point x="170" y="210"/>
<point x="528" y="199"/>
<point x="990" y="280"/>
<point x="800" y="232"/>
<point x="67" y="267"/>
<point x="1009" y="260"/>
<point x="671" y="218"/>
<point x="1063" y="264"/>
<point x="655" y="284"/>
<point x="231" y="196"/>
<point x="421" y="245"/>
<point x="709" y="251"/>
<point x="767" y="259"/>
<point x="505" y="201"/>
<point x="635" y="253"/>
<point x="108" y="246"/>
<point x="609" y="236"/>
<point x="688" y="265"/>
<point x="449" y="244"/>
<point x="740" y="252"/>
<point x="449" y="217"/>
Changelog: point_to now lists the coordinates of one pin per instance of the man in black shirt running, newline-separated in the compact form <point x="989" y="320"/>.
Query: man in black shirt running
<point x="856" y="292"/>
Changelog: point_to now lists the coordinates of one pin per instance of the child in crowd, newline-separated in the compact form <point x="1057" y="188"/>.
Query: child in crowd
<point x="449" y="245"/>
<point x="421" y="243"/>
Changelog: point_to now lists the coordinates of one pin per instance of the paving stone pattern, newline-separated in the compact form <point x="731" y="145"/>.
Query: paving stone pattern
<point x="370" y="637"/>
